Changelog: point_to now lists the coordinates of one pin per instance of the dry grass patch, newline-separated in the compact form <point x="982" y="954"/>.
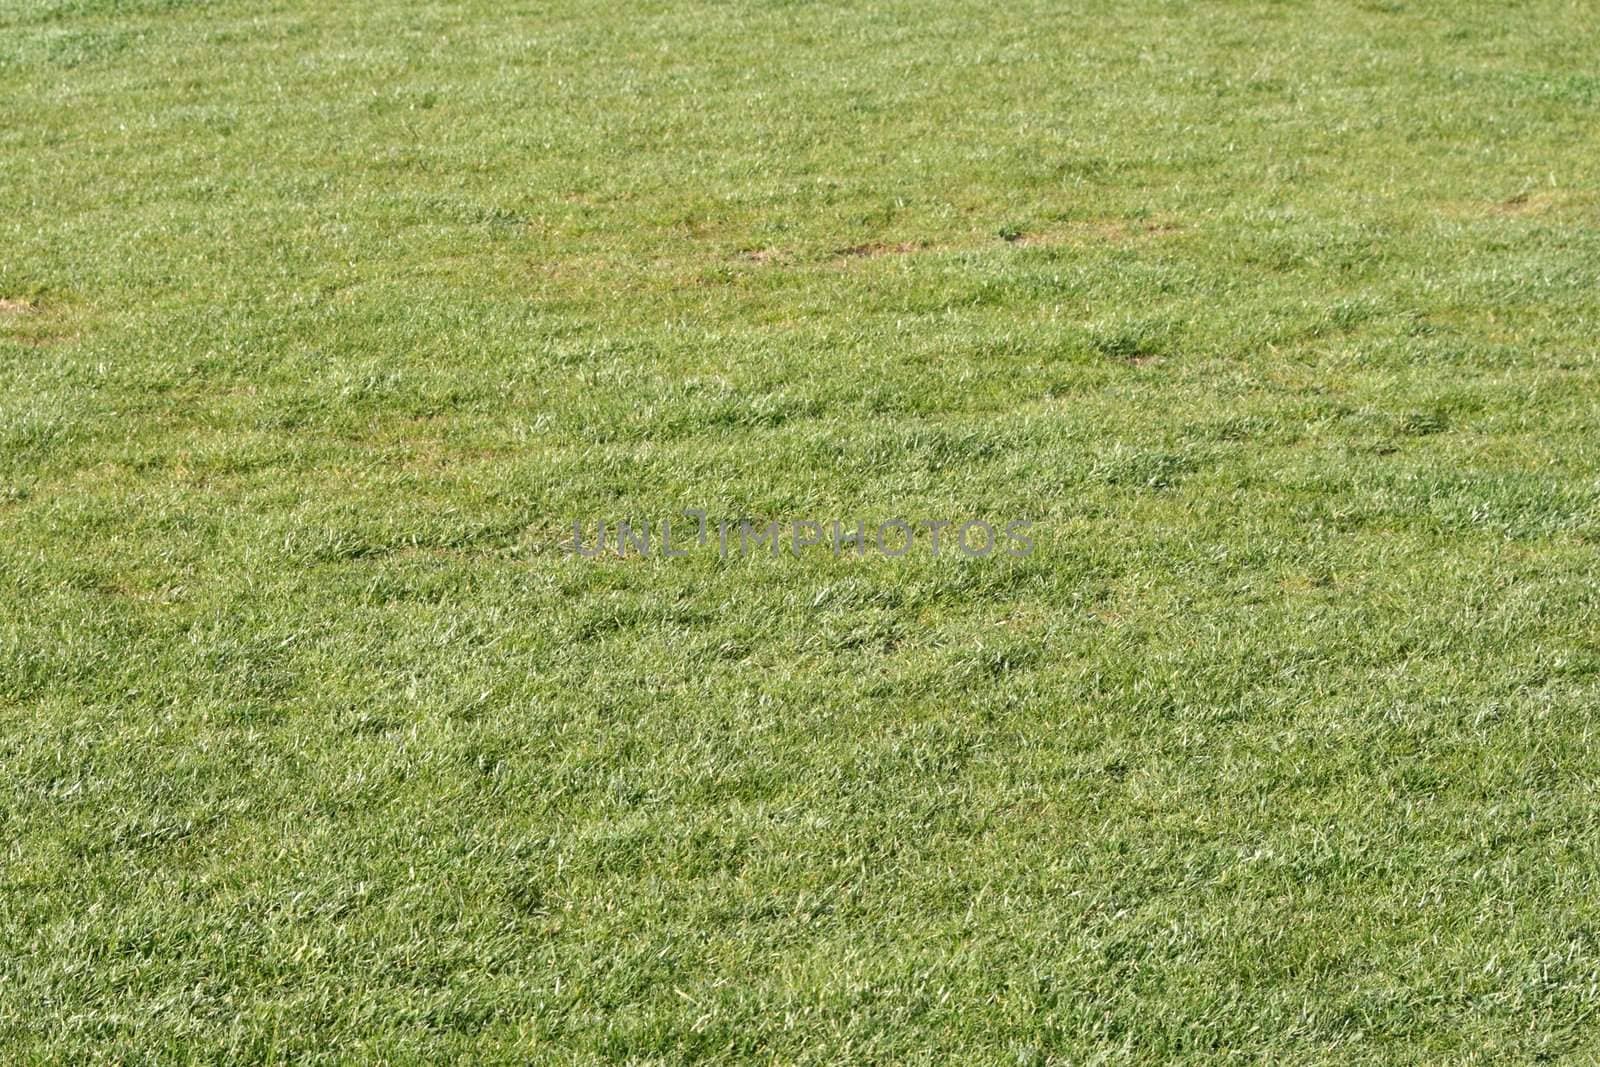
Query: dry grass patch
<point x="1114" y="231"/>
<point x="1525" y="204"/>
<point x="875" y="249"/>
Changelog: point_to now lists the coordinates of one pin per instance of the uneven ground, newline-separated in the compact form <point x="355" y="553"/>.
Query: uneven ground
<point x="319" y="324"/>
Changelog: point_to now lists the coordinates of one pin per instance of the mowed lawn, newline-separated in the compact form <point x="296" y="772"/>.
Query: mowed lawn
<point x="320" y="324"/>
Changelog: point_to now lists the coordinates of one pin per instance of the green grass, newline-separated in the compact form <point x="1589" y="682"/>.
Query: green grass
<point x="322" y="323"/>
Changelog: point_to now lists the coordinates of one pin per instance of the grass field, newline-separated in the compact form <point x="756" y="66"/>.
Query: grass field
<point x="321" y="324"/>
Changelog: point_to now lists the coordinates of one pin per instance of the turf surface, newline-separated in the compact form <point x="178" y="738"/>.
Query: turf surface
<point x="320" y="324"/>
